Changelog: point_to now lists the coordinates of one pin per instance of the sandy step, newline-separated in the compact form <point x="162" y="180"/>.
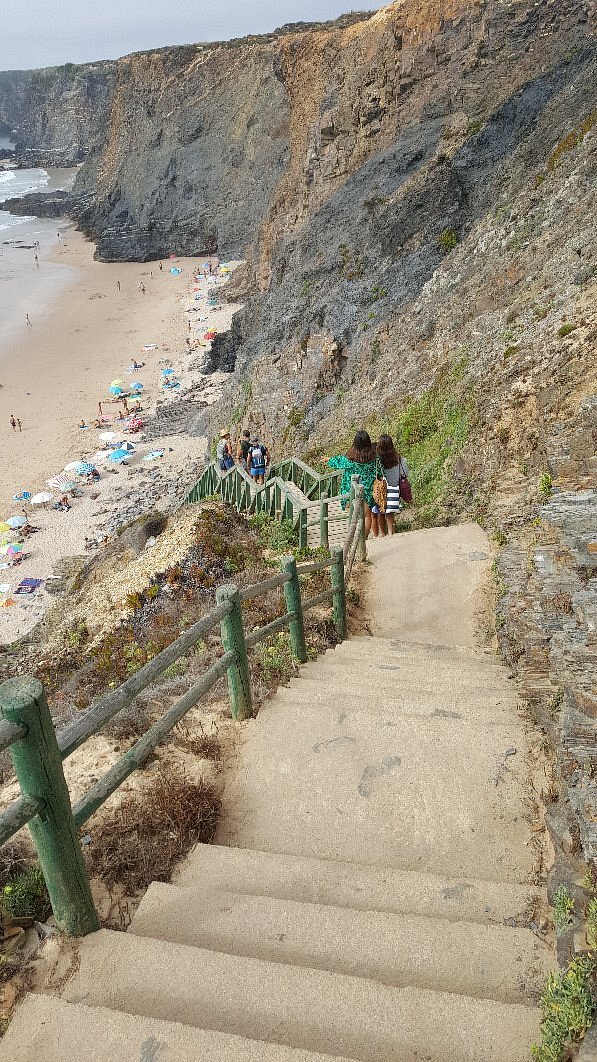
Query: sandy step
<point x="427" y="649"/>
<point x="359" y="887"/>
<point x="487" y="962"/>
<point x="427" y="673"/>
<point x="318" y="1011"/>
<point x="367" y="786"/>
<point x="485" y="707"/>
<point x="46" y="1029"/>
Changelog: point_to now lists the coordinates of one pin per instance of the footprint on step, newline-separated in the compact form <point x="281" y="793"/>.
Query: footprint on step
<point x="371" y="774"/>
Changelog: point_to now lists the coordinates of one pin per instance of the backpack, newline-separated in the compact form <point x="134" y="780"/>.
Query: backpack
<point x="257" y="458"/>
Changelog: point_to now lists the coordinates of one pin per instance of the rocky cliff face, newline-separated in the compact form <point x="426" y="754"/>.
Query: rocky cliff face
<point x="14" y="85"/>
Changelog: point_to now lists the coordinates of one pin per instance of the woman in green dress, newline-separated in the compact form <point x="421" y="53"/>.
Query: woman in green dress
<point x="361" y="460"/>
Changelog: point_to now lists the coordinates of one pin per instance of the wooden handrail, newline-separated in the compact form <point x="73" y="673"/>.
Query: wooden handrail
<point x="37" y="751"/>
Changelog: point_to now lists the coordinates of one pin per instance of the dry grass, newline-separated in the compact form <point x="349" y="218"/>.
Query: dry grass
<point x="147" y="835"/>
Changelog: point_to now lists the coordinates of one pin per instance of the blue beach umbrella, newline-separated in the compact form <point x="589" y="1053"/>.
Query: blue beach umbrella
<point x="84" y="468"/>
<point x="115" y="390"/>
<point x="16" y="521"/>
<point x="167" y="372"/>
<point x="137" y="387"/>
<point x="118" y="456"/>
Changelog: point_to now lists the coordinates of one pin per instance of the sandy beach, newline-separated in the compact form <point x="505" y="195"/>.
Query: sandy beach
<point x="54" y="373"/>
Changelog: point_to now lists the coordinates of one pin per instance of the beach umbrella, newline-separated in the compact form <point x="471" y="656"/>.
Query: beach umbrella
<point x="42" y="498"/>
<point x="210" y="335"/>
<point x="137" y="386"/>
<point x="83" y="468"/>
<point x="126" y="445"/>
<point x="108" y="436"/>
<point x="14" y="549"/>
<point x="118" y="456"/>
<point x="117" y="383"/>
<point x="61" y="482"/>
<point x="22" y="496"/>
<point x="16" y="521"/>
<point x="115" y="390"/>
<point x="5" y="527"/>
<point x="167" y="372"/>
<point x="135" y="424"/>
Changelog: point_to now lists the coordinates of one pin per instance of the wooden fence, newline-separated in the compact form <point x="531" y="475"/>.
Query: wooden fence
<point x="38" y="751"/>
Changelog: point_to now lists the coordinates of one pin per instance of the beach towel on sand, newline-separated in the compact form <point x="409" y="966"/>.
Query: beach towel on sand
<point x="29" y="586"/>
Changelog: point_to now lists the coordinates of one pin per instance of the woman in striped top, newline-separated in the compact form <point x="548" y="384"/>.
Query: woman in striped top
<point x="394" y="466"/>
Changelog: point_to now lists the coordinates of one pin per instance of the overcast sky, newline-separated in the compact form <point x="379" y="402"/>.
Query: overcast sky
<point x="51" y="32"/>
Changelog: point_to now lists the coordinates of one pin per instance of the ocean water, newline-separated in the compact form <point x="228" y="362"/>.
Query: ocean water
<point x="27" y="286"/>
<point x="13" y="185"/>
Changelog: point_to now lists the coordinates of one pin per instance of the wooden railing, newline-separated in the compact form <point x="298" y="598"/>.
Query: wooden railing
<point x="275" y="497"/>
<point x="38" y="751"/>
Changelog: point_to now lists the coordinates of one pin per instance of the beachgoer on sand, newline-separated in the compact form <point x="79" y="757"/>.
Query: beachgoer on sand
<point x="258" y="460"/>
<point x="28" y="320"/>
<point x="58" y="235"/>
<point x="118" y="284"/>
<point x="13" y="422"/>
<point x="20" y="426"/>
<point x="161" y="267"/>
<point x="36" y="260"/>
<point x="224" y="451"/>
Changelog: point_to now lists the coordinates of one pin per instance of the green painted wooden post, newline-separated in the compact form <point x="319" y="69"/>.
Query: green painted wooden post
<point x="362" y="544"/>
<point x="324" y="522"/>
<point x="339" y="597"/>
<point x="303" y="530"/>
<point x="233" y="640"/>
<point x="292" y="595"/>
<point x="38" y="767"/>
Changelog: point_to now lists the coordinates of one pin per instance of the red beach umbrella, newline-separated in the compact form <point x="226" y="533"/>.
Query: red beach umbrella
<point x="210" y="335"/>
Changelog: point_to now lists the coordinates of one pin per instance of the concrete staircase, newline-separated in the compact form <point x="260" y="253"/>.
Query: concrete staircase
<point x="373" y="894"/>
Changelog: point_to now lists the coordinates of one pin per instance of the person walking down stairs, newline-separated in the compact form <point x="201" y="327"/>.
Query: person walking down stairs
<point x="361" y="461"/>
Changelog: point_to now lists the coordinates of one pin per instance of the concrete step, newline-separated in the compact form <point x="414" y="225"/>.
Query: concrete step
<point x="303" y="1008"/>
<point x="426" y="649"/>
<point x="487" y="962"/>
<point x="359" y="887"/>
<point x="46" y="1029"/>
<point x="485" y="707"/>
<point x="336" y="663"/>
<point x="367" y="786"/>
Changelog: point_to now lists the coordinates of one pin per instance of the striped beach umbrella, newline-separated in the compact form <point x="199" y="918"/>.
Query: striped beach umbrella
<point x="84" y="468"/>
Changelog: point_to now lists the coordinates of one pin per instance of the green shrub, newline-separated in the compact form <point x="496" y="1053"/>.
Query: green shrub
<point x="563" y="907"/>
<point x="448" y="239"/>
<point x="178" y="668"/>
<point x="566" y="329"/>
<point x="275" y="657"/>
<point x="26" y="896"/>
<point x="545" y="485"/>
<point x="276" y="535"/>
<point x="567" y="1010"/>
